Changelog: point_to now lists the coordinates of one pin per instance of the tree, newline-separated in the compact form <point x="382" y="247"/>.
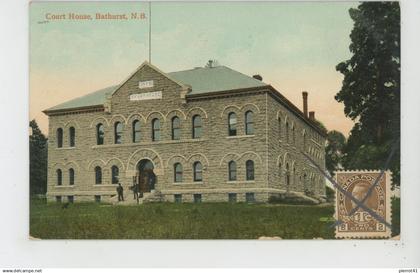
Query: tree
<point x="334" y="151"/>
<point x="38" y="150"/>
<point x="371" y="87"/>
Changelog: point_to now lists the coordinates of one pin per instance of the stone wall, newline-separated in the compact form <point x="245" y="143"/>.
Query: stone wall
<point x="214" y="149"/>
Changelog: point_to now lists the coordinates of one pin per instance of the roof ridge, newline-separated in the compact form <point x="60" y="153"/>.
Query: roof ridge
<point x="199" y="67"/>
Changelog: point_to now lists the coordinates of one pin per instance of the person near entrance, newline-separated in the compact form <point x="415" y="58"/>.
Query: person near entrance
<point x="135" y="189"/>
<point x="120" y="191"/>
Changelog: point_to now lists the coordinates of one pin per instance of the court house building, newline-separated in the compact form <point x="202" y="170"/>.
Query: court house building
<point x="200" y="135"/>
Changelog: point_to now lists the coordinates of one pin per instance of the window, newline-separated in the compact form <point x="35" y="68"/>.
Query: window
<point x="136" y="131"/>
<point x="304" y="141"/>
<point x="232" y="170"/>
<point x="71" y="176"/>
<point x="198" y="171"/>
<point x="293" y="134"/>
<point x="59" y="177"/>
<point x="250" y="197"/>
<point x="279" y="122"/>
<point x="232" y="197"/>
<point x="177" y="172"/>
<point x="59" y="138"/>
<point x="197" y="198"/>
<point x="232" y="124"/>
<point x="155" y="129"/>
<point x="178" y="198"/>
<point x="280" y="171"/>
<point x="118" y="128"/>
<point x="70" y="198"/>
<point x="197" y="126"/>
<point x="249" y="170"/>
<point x="287" y="175"/>
<point x="72" y="136"/>
<point x="100" y="134"/>
<point x="249" y="123"/>
<point x="176" y="128"/>
<point x="58" y="199"/>
<point x="98" y="175"/>
<point x="115" y="172"/>
<point x="97" y="198"/>
<point x="287" y="132"/>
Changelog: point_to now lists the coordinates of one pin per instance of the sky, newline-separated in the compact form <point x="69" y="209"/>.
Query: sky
<point x="293" y="46"/>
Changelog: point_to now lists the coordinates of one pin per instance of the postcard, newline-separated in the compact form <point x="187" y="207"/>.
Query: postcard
<point x="214" y="120"/>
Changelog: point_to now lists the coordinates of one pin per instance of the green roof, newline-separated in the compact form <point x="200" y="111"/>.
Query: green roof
<point x="220" y="78"/>
<point x="95" y="98"/>
<point x="201" y="80"/>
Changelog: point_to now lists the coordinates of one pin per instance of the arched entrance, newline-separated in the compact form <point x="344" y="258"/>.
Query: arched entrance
<point x="145" y="175"/>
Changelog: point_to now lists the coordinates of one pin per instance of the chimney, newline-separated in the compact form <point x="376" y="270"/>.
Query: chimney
<point x="312" y="115"/>
<point x="305" y="103"/>
<point x="258" y="77"/>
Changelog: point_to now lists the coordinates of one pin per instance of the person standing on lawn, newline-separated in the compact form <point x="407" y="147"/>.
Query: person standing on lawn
<point x="120" y="191"/>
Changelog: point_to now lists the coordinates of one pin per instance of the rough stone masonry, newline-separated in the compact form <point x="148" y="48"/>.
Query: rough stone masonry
<point x="205" y="134"/>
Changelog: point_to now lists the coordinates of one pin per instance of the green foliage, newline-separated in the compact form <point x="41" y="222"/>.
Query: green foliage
<point x="371" y="86"/>
<point x="396" y="216"/>
<point x="334" y="150"/>
<point x="289" y="199"/>
<point x="330" y="193"/>
<point x="38" y="152"/>
<point x="179" y="221"/>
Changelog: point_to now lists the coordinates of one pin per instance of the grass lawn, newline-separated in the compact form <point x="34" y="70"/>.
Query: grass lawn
<point x="180" y="221"/>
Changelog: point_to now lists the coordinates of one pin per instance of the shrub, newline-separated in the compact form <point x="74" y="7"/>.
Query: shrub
<point x="330" y="194"/>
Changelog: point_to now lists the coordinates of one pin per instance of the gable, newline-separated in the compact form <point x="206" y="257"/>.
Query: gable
<point x="145" y="87"/>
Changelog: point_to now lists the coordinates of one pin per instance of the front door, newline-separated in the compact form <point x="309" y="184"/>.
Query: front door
<point x="147" y="178"/>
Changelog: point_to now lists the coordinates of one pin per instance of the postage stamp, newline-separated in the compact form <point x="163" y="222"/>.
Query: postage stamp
<point x="369" y="217"/>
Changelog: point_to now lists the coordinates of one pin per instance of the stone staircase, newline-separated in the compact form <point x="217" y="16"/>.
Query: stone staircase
<point x="148" y="197"/>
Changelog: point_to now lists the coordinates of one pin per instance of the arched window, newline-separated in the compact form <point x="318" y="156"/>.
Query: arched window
<point x="118" y="131"/>
<point x="249" y="170"/>
<point x="59" y="177"/>
<point x="232" y="170"/>
<point x="72" y="136"/>
<point x="177" y="172"/>
<point x="249" y="123"/>
<point x="287" y="132"/>
<point x="59" y="138"/>
<point x="232" y="124"/>
<point x="71" y="176"/>
<point x="293" y="135"/>
<point x="136" y="131"/>
<point x="197" y="126"/>
<point x="100" y="133"/>
<point x="280" y="171"/>
<point x="115" y="172"/>
<point x="98" y="175"/>
<point x="287" y="175"/>
<point x="176" y="128"/>
<point x="155" y="129"/>
<point x="198" y="171"/>
<point x="279" y="123"/>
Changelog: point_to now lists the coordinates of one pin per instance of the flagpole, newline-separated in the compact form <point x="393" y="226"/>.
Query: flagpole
<point x="150" y="32"/>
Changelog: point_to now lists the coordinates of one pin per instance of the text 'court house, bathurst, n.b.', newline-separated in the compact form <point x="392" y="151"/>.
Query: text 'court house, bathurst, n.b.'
<point x="205" y="134"/>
